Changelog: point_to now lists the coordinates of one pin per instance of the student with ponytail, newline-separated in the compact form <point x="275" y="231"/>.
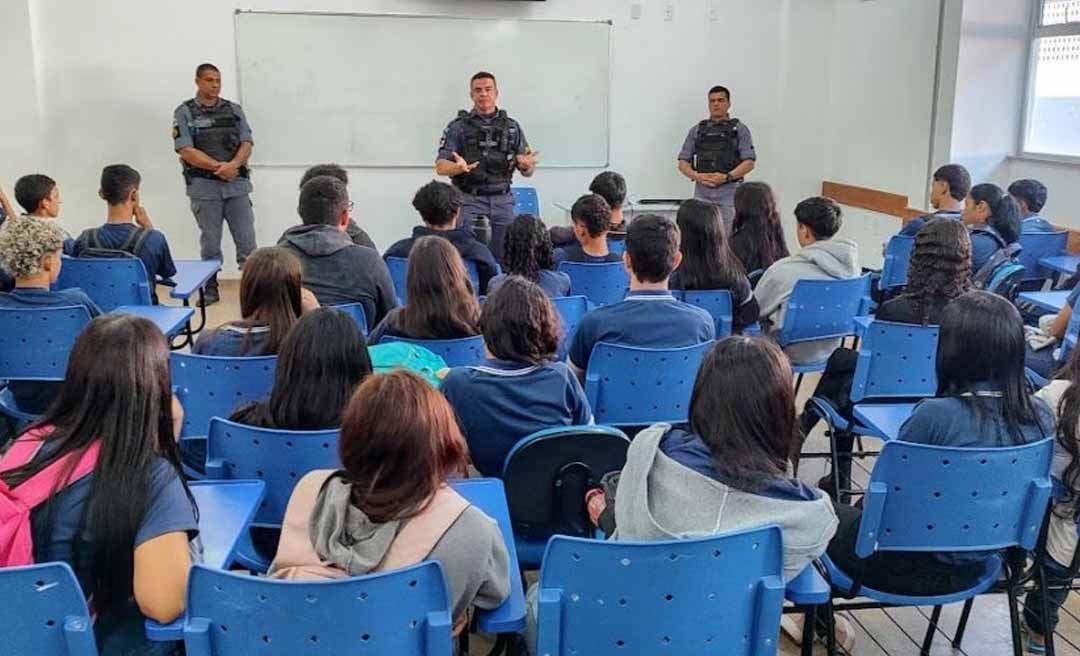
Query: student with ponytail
<point x="993" y="217"/>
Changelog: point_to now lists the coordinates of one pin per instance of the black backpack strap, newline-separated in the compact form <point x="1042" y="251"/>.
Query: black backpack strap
<point x="135" y="239"/>
<point x="93" y="238"/>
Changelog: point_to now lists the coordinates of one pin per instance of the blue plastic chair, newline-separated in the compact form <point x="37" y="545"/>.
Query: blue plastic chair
<point x="210" y="386"/>
<point x="399" y="275"/>
<point x="45" y="612"/>
<point x="526" y="201"/>
<point x="897" y="258"/>
<point x="571" y="309"/>
<point x="460" y="352"/>
<point x="636" y="386"/>
<point x="34" y="345"/>
<point x="1037" y="245"/>
<point x="602" y="284"/>
<point x="616" y="246"/>
<point x="717" y="302"/>
<point x="823" y="309"/>
<point x="719" y="595"/>
<point x="357" y="314"/>
<point x="546" y="476"/>
<point x="403" y="612"/>
<point x="109" y="282"/>
<point x="947" y="499"/>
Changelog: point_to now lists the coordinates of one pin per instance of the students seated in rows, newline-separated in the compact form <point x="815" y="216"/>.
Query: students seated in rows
<point x="391" y="504"/>
<point x="757" y="238"/>
<point x="439" y="205"/>
<point x="128" y="228"/>
<point x="441" y="303"/>
<point x="993" y="218"/>
<point x="949" y="186"/>
<point x="335" y="269"/>
<point x="650" y="316"/>
<point x="30" y="249"/>
<point x="592" y="220"/>
<point x="982" y="402"/>
<point x="125" y="528"/>
<point x="823" y="257"/>
<point x="519" y="389"/>
<point x="271" y="301"/>
<point x="357" y="234"/>
<point x="708" y="263"/>
<point x="1030" y="195"/>
<point x="528" y="253"/>
<point x="39" y="196"/>
<point x="610" y="186"/>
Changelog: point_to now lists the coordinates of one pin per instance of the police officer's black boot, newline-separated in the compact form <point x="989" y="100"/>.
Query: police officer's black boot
<point x="211" y="294"/>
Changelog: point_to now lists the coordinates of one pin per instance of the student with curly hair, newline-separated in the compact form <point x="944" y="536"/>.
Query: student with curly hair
<point x="529" y="254"/>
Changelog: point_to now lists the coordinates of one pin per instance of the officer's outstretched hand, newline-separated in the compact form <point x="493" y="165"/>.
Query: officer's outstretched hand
<point x="463" y="166"/>
<point x="527" y="162"/>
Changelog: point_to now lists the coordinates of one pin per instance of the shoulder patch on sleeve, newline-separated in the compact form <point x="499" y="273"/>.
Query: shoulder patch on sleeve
<point x="175" y="131"/>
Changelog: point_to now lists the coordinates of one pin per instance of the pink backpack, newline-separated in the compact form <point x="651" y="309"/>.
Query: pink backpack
<point x="16" y="541"/>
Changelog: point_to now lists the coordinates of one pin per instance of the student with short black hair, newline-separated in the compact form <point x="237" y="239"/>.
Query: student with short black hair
<point x="757" y="238"/>
<point x="993" y="217"/>
<point x="441" y="303"/>
<point x="128" y="227"/>
<point x="1031" y="196"/>
<point x="591" y="215"/>
<point x="439" y="205"/>
<point x="611" y="186"/>
<point x="649" y="316"/>
<point x="39" y="196"/>
<point x="708" y="263"/>
<point x="357" y="234"/>
<point x="529" y="254"/>
<point x="949" y="186"/>
<point x="823" y="257"/>
<point x="522" y="388"/>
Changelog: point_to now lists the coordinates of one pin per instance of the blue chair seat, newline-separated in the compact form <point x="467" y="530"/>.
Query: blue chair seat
<point x="109" y="282"/>
<point x="356" y="313"/>
<point x="843" y="583"/>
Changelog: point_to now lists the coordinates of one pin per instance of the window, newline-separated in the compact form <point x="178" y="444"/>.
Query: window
<point x="1053" y="103"/>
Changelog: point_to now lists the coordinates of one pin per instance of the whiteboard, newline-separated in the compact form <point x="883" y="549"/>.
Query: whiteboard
<point x="378" y="90"/>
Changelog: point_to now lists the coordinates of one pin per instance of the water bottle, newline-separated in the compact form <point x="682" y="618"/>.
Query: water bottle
<point x="481" y="228"/>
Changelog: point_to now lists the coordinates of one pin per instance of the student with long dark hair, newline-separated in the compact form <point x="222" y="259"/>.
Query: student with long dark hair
<point x="757" y="238"/>
<point x="708" y="263"/>
<point x="322" y="360"/>
<point x="994" y="220"/>
<point x="529" y="254"/>
<point x="983" y="401"/>
<point x="125" y="527"/>
<point x="271" y="301"/>
<point x="441" y="303"/>
<point x="520" y="389"/>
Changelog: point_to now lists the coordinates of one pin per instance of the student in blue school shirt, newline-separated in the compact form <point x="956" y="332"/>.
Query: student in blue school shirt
<point x="120" y="191"/>
<point x="993" y="218"/>
<point x="1031" y="195"/>
<point x="591" y="215"/>
<point x="650" y="316"/>
<point x="520" y="389"/>
<point x="528" y="253"/>
<point x="30" y="249"/>
<point x="949" y="186"/>
<point x="39" y="196"/>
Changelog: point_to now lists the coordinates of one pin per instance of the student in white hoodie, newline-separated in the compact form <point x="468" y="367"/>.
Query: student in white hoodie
<point x="822" y="257"/>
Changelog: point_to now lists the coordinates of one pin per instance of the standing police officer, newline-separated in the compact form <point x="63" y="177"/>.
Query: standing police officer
<point x="479" y="151"/>
<point x="213" y="139"/>
<point x="717" y="154"/>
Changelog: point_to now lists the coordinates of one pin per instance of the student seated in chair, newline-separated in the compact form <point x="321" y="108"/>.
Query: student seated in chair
<point x="439" y="205"/>
<point x="592" y="220"/>
<point x="949" y="186"/>
<point x="610" y="186"/>
<point x="128" y="229"/>
<point x="993" y="217"/>
<point x="1043" y="352"/>
<point x="757" y="238"/>
<point x="1031" y="195"/>
<point x="650" y="316"/>
<point x="30" y="249"/>
<point x="529" y="254"/>
<point x="357" y="234"/>
<point x="823" y="257"/>
<point x="39" y="196"/>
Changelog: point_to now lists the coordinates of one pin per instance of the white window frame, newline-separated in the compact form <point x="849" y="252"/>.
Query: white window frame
<point x="1037" y="31"/>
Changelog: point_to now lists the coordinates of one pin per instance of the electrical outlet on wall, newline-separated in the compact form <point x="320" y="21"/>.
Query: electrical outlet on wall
<point x="635" y="11"/>
<point x="669" y="11"/>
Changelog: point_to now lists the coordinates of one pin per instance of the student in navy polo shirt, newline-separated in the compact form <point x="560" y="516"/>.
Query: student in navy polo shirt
<point x="528" y="254"/>
<point x="120" y="190"/>
<point x="519" y="389"/>
<point x="993" y="217"/>
<point x="1031" y="195"/>
<point x="30" y="249"/>
<point x="650" y="316"/>
<point x="592" y="221"/>
<point x="949" y="186"/>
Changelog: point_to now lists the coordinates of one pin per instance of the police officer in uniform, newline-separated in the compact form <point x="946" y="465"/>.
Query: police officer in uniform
<point x="213" y="139"/>
<point x="479" y="151"/>
<point x="717" y="154"/>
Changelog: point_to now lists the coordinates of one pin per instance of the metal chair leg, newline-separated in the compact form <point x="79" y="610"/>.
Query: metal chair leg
<point x="798" y="383"/>
<point x="1014" y="617"/>
<point x="1045" y="610"/>
<point x="830" y="629"/>
<point x="964" y="614"/>
<point x="928" y="640"/>
<point x="808" y="630"/>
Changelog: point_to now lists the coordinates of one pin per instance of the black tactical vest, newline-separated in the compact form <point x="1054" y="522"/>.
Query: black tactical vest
<point x="717" y="147"/>
<point x="492" y="143"/>
<point x="216" y="132"/>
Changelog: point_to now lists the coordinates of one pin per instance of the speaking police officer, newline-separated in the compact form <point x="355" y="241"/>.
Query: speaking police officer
<point x="717" y="154"/>
<point x="479" y="151"/>
<point x="213" y="139"/>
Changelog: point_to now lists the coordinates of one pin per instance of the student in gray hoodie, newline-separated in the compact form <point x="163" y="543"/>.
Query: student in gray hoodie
<point x="335" y="269"/>
<point x="822" y="258"/>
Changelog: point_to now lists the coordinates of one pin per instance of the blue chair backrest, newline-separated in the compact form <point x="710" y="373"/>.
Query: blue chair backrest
<point x="1006" y="280"/>
<point x="356" y="313"/>
<point x="279" y="457"/>
<point x="935" y="498"/>
<point x="897" y="259"/>
<point x="602" y="284"/>
<point x="45" y="612"/>
<point x="35" y="342"/>
<point x="896" y="360"/>
<point x="571" y="309"/>
<point x="526" y="201"/>
<point x="616" y="246"/>
<point x="720" y="594"/>
<point x="211" y="386"/>
<point x="824" y="309"/>
<point x="635" y="386"/>
<point x="1071" y="333"/>
<point x="460" y="352"/>
<point x="404" y="612"/>
<point x="109" y="282"/>
<point x="1037" y="245"/>
<point x="717" y="302"/>
<point x="399" y="274"/>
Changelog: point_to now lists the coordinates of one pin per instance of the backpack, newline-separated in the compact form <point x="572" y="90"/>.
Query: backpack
<point x="129" y="249"/>
<point x="16" y="504"/>
<point x="400" y="355"/>
<point x="1000" y="272"/>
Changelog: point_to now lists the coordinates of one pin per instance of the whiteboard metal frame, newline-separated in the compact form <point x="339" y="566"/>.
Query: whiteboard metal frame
<point x="374" y="14"/>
